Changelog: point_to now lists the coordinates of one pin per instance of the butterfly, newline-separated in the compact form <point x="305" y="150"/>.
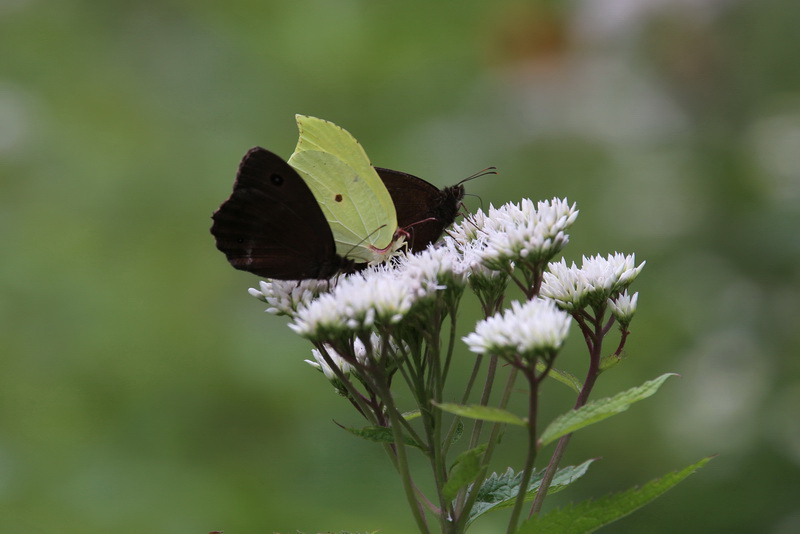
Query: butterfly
<point x="327" y="210"/>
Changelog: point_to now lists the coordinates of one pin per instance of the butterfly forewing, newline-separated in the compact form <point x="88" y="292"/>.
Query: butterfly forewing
<point x="272" y="226"/>
<point x="353" y="198"/>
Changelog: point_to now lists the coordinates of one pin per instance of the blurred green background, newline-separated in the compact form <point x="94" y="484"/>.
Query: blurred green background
<point x="143" y="390"/>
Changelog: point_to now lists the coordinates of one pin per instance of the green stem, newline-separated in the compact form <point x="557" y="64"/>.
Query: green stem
<point x="477" y="425"/>
<point x="594" y="340"/>
<point x="355" y="395"/>
<point x="439" y="468"/>
<point x="530" y="374"/>
<point x="487" y="456"/>
<point x="368" y="373"/>
<point x="451" y="343"/>
<point x="456" y="420"/>
<point x="491" y="371"/>
<point x="400" y="450"/>
<point x="432" y="421"/>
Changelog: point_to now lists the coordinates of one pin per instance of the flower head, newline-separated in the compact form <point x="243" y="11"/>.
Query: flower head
<point x="432" y="272"/>
<point x="593" y="283"/>
<point x="339" y="362"/>
<point x="523" y="233"/>
<point x="530" y="329"/>
<point x="623" y="307"/>
<point x="354" y="306"/>
<point x="286" y="296"/>
<point x="469" y="229"/>
<point x="488" y="284"/>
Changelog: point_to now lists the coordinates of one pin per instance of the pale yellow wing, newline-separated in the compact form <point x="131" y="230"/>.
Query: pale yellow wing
<point x="355" y="202"/>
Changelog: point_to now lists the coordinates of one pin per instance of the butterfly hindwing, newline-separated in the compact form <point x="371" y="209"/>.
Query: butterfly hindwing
<point x="272" y="226"/>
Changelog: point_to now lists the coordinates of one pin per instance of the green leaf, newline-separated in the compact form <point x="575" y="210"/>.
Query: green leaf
<point x="464" y="470"/>
<point x="485" y="413"/>
<point x="380" y="434"/>
<point x="588" y="516"/>
<point x="598" y="410"/>
<point x="500" y="491"/>
<point x="564" y="377"/>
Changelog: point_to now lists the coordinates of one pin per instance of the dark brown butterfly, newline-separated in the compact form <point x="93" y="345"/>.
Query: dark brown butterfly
<point x="272" y="225"/>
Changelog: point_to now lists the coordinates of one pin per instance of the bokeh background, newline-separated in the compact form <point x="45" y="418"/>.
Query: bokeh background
<point x="143" y="390"/>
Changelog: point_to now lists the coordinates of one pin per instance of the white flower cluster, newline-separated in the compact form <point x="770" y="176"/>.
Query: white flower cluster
<point x="383" y="294"/>
<point x="535" y="327"/>
<point x="354" y="305"/>
<point x="286" y="296"/>
<point x="432" y="270"/>
<point x="521" y="233"/>
<point x="594" y="282"/>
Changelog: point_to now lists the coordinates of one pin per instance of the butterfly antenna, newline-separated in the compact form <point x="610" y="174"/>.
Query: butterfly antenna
<point x="488" y="170"/>
<point x="484" y="172"/>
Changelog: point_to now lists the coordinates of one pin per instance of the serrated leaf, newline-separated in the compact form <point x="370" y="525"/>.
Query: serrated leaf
<point x="484" y="413"/>
<point x="500" y="491"/>
<point x="464" y="470"/>
<point x="588" y="516"/>
<point x="598" y="410"/>
<point x="559" y="375"/>
<point x="380" y="434"/>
